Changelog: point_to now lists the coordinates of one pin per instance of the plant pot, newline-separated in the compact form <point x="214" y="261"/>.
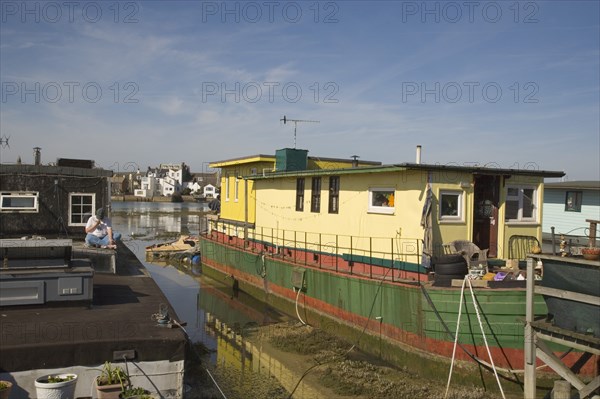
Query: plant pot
<point x="109" y="391"/>
<point x="5" y="392"/>
<point x="56" y="390"/>
<point x="592" y="253"/>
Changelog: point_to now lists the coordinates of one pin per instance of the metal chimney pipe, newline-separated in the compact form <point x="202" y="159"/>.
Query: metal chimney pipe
<point x="37" y="155"/>
<point x="418" y="154"/>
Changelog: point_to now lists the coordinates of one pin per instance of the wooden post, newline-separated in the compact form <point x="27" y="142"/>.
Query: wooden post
<point x="530" y="351"/>
<point x="593" y="226"/>
<point x="561" y="390"/>
<point x="245" y="209"/>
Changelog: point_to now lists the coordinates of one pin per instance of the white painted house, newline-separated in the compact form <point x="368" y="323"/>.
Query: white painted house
<point x="161" y="181"/>
<point x="147" y="187"/>
<point x="194" y="187"/>
<point x="209" y="191"/>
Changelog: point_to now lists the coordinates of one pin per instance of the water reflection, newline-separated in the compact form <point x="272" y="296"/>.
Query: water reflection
<point x="191" y="295"/>
<point x="215" y="314"/>
<point x="155" y="218"/>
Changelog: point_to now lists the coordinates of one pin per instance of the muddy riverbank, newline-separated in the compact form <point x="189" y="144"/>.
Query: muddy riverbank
<point x="291" y="360"/>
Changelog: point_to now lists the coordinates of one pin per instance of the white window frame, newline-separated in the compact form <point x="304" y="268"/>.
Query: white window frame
<point x="84" y="222"/>
<point x="20" y="194"/>
<point x="236" y="189"/>
<point x="226" y="187"/>
<point x="519" y="199"/>
<point x="387" y="210"/>
<point x="459" y="217"/>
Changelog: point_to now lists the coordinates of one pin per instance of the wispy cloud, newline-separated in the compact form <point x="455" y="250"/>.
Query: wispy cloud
<point x="177" y="87"/>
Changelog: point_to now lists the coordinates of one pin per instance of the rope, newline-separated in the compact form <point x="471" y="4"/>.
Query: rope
<point x="472" y="356"/>
<point x="351" y="347"/>
<point x="484" y="337"/>
<point x="215" y="382"/>
<point x="462" y="290"/>
<point x="297" y="312"/>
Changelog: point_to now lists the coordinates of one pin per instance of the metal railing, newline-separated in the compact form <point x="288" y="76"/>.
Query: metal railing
<point x="394" y="258"/>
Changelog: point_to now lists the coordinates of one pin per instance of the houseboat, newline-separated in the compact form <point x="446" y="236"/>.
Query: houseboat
<point x="568" y="207"/>
<point x="371" y="252"/>
<point x="68" y="309"/>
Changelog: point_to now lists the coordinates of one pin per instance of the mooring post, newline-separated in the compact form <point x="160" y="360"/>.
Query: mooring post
<point x="561" y="390"/>
<point x="530" y="356"/>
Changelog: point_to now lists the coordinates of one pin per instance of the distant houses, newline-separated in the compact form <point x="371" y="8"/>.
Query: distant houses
<point x="165" y="180"/>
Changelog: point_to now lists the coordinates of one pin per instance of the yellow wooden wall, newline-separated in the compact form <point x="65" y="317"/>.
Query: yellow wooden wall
<point x="231" y="208"/>
<point x="276" y="199"/>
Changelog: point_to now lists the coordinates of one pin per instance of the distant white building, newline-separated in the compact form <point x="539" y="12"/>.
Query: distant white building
<point x="209" y="191"/>
<point x="165" y="180"/>
<point x="147" y="187"/>
<point x="194" y="187"/>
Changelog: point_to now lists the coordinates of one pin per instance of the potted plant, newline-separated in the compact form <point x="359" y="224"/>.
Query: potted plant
<point x="5" y="388"/>
<point x="591" y="253"/>
<point x="56" y="386"/>
<point x="111" y="382"/>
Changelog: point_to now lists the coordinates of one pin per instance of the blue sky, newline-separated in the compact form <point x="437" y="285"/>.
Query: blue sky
<point x="502" y="83"/>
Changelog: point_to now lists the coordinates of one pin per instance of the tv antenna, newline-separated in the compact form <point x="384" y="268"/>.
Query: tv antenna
<point x="296" y="121"/>
<point x="4" y="141"/>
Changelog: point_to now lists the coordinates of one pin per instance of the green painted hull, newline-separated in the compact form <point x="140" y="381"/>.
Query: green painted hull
<point x="383" y="315"/>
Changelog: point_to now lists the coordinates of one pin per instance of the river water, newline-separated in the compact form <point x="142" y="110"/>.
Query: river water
<point x="208" y="307"/>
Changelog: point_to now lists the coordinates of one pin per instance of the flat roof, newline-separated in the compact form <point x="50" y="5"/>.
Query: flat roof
<point x="413" y="166"/>
<point x="242" y="160"/>
<point x="272" y="158"/>
<point x="575" y="184"/>
<point x="119" y="318"/>
<point x="29" y="169"/>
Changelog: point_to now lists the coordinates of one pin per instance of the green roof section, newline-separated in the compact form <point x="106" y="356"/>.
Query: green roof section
<point x="411" y="166"/>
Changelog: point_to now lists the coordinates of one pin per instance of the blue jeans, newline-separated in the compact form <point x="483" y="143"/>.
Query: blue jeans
<point x="96" y="241"/>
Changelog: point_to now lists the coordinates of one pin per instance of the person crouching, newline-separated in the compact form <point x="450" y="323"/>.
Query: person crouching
<point x="99" y="231"/>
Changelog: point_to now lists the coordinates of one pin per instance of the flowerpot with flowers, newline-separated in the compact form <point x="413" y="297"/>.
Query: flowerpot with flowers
<point x="591" y="253"/>
<point x="111" y="382"/>
<point x="5" y="388"/>
<point x="56" y="386"/>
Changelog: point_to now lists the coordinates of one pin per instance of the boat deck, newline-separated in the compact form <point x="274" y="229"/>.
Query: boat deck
<point x="119" y="319"/>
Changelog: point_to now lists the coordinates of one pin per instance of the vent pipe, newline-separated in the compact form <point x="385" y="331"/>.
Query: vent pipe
<point x="37" y="155"/>
<point x="354" y="160"/>
<point x="418" y="154"/>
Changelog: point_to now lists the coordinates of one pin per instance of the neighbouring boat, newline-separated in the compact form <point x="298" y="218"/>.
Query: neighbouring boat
<point x="359" y="256"/>
<point x="67" y="309"/>
<point x="182" y="244"/>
